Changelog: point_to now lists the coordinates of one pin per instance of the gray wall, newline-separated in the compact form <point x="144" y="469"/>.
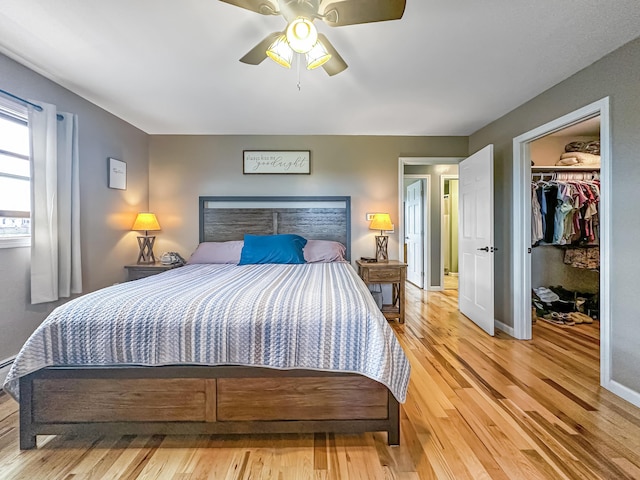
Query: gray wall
<point x="548" y="268"/>
<point x="182" y="168"/>
<point x="617" y="76"/>
<point x="106" y="215"/>
<point x="435" y="213"/>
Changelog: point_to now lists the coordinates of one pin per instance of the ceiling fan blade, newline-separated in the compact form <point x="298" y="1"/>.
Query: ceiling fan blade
<point x="336" y="63"/>
<point x="265" y="7"/>
<point x="352" y="12"/>
<point x="257" y="54"/>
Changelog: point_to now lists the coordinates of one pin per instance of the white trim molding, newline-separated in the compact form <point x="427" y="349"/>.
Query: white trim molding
<point x="626" y="393"/>
<point x="503" y="327"/>
<point x="521" y="233"/>
<point x="15" y="242"/>
<point x="5" y="366"/>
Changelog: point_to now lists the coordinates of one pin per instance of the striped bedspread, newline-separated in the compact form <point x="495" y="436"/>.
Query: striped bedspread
<point x="310" y="316"/>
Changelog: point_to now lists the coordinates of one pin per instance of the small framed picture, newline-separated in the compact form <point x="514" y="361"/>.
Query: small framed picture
<point x="117" y="174"/>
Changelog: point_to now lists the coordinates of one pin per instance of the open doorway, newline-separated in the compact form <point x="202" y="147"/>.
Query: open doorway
<point x="416" y="217"/>
<point x="449" y="241"/>
<point x="432" y="171"/>
<point x="524" y="234"/>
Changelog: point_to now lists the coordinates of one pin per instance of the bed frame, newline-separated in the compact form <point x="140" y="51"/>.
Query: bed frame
<point x="193" y="400"/>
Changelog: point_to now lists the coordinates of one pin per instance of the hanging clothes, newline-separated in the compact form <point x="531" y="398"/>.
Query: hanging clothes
<point x="564" y="209"/>
<point x="537" y="229"/>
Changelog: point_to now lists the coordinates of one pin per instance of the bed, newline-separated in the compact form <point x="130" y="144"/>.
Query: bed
<point x="170" y="371"/>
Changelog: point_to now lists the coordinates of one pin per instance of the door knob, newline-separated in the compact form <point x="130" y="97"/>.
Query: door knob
<point x="485" y="249"/>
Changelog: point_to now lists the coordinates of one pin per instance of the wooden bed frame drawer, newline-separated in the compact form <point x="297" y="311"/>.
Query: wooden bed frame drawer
<point x="201" y="400"/>
<point x="123" y="400"/>
<point x="321" y="398"/>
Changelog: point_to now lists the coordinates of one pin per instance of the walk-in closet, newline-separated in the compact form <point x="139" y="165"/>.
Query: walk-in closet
<point x="565" y="229"/>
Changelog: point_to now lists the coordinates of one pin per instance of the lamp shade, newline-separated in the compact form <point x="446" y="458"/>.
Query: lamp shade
<point x="317" y="56"/>
<point x="381" y="221"/>
<point x="280" y="52"/>
<point x="146" y="221"/>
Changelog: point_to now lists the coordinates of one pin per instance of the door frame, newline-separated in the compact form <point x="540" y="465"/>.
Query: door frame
<point x="521" y="229"/>
<point x="426" y="206"/>
<point x="443" y="178"/>
<point x="402" y="161"/>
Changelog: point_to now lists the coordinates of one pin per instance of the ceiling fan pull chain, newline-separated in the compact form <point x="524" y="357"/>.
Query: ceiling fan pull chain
<point x="298" y="67"/>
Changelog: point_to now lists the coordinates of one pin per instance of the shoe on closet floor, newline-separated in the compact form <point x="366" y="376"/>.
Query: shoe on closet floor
<point x="558" y="318"/>
<point x="579" y="317"/>
<point x="546" y="295"/>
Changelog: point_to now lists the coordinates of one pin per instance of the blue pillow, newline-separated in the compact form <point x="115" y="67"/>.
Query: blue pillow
<point x="286" y="248"/>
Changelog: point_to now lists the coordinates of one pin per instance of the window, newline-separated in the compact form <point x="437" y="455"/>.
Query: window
<point x="15" y="176"/>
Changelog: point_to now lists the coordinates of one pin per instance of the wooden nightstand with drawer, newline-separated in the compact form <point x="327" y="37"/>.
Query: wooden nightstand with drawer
<point x="137" y="271"/>
<point x="393" y="272"/>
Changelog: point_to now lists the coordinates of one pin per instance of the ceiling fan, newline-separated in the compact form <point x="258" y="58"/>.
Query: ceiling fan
<point x="301" y="36"/>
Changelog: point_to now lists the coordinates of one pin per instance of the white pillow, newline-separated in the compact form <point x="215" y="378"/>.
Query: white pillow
<point x="317" y="251"/>
<point x="217" y="252"/>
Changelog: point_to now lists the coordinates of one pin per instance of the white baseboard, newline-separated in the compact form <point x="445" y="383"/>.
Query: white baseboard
<point x="4" y="370"/>
<point x="435" y="288"/>
<point x="626" y="393"/>
<point x="505" y="328"/>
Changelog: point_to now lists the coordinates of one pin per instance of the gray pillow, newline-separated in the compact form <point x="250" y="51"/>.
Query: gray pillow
<point x="217" y="252"/>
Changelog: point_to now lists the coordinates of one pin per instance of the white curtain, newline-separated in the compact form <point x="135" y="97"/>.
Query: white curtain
<point x="56" y="269"/>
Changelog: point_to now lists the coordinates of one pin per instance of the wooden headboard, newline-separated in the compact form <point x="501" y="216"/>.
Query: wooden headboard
<point x="315" y="218"/>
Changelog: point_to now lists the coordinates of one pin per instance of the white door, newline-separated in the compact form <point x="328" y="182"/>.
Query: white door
<point x="476" y="239"/>
<point x="413" y="233"/>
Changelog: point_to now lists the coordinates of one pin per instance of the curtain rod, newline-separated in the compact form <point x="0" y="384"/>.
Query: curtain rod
<point x="27" y="102"/>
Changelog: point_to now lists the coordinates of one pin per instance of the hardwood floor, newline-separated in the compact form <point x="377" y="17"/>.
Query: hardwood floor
<point x="451" y="282"/>
<point x="478" y="408"/>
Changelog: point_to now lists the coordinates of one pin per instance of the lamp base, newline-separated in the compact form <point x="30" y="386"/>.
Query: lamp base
<point x="381" y="248"/>
<point x="146" y="250"/>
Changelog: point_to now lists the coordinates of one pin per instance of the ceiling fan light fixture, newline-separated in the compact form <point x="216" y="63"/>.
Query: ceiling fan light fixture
<point x="302" y="35"/>
<point x="280" y="52"/>
<point x="317" y="56"/>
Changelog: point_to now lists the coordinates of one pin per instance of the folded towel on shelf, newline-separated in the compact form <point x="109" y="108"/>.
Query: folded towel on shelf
<point x="568" y="161"/>
<point x="587" y="147"/>
<point x="579" y="159"/>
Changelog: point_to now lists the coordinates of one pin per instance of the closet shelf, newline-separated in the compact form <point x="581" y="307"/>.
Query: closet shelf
<point x="560" y="168"/>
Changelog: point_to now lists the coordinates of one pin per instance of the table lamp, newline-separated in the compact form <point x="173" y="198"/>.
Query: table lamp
<point x="146" y="222"/>
<point x="381" y="221"/>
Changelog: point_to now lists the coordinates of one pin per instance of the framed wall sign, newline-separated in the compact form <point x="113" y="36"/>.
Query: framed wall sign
<point x="276" y="162"/>
<point x="117" y="174"/>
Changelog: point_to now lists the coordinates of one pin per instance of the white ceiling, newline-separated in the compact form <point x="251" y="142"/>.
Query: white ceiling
<point x="447" y="68"/>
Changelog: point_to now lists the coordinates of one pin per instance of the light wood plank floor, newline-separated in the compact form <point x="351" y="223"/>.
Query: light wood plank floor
<point x="451" y="282"/>
<point x="478" y="408"/>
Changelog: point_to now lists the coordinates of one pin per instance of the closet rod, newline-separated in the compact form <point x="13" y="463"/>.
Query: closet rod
<point x="565" y="176"/>
<point x="27" y="102"/>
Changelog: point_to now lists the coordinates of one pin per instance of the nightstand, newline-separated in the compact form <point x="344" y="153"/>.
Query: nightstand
<point x="137" y="271"/>
<point x="393" y="272"/>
